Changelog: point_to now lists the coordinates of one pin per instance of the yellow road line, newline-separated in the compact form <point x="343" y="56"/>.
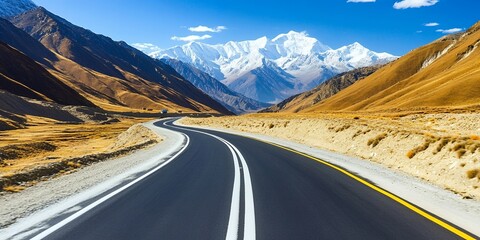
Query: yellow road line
<point x="382" y="191"/>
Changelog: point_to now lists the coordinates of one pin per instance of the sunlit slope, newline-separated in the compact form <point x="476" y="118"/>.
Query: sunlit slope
<point x="445" y="73"/>
<point x="323" y="91"/>
<point x="111" y="74"/>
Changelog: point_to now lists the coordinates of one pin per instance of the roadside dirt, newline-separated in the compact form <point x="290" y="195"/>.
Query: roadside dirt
<point x="441" y="148"/>
<point x="46" y="150"/>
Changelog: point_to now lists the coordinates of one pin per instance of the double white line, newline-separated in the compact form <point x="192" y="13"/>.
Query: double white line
<point x="241" y="172"/>
<point x="249" y="217"/>
<point x="234" y="227"/>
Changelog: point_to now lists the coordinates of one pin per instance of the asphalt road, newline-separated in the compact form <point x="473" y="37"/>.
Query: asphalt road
<point x="224" y="186"/>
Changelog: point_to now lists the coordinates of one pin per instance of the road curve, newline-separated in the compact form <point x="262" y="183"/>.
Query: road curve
<point x="224" y="186"/>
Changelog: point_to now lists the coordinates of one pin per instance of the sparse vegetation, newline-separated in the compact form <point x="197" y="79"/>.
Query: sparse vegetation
<point x="16" y="151"/>
<point x="473" y="173"/>
<point x="13" y="188"/>
<point x="271" y="125"/>
<point x="343" y="128"/>
<point x="460" y="153"/>
<point x="73" y="164"/>
<point x="465" y="145"/>
<point x="411" y="153"/>
<point x="472" y="148"/>
<point x="376" y="140"/>
<point x="421" y="148"/>
<point x="443" y="142"/>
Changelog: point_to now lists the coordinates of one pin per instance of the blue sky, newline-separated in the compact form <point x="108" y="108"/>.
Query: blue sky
<point x="377" y="25"/>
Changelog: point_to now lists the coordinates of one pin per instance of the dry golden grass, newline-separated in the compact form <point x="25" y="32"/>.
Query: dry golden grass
<point x="14" y="188"/>
<point x="475" y="137"/>
<point x="421" y="148"/>
<point x="473" y="173"/>
<point x="449" y="82"/>
<point x="376" y="140"/>
<point x="64" y="141"/>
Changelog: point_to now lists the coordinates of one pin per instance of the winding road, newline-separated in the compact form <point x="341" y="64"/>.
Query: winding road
<point x="224" y="186"/>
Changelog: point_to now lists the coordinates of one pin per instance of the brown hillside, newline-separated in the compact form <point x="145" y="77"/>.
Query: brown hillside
<point x="323" y="91"/>
<point x="112" y="74"/>
<point x="22" y="76"/>
<point x="24" y="43"/>
<point x="442" y="74"/>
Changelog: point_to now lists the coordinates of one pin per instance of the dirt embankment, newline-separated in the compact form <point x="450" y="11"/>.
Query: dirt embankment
<point x="441" y="148"/>
<point x="23" y="164"/>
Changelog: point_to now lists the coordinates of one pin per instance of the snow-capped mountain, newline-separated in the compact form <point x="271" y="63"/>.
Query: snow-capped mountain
<point x="10" y="8"/>
<point x="233" y="101"/>
<point x="272" y="70"/>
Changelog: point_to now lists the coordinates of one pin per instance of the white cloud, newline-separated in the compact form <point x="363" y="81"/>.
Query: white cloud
<point x="201" y="28"/>
<point x="414" y="3"/>
<point x="432" y="24"/>
<point x="146" y="47"/>
<point x="450" y="31"/>
<point x="419" y="31"/>
<point x="360" y="1"/>
<point x="191" y="38"/>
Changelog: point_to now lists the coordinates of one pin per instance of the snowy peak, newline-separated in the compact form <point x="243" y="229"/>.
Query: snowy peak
<point x="269" y="70"/>
<point x="297" y="43"/>
<point x="10" y="8"/>
<point x="355" y="56"/>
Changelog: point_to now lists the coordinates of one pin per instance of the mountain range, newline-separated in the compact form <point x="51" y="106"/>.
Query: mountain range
<point x="108" y="74"/>
<point x="233" y="101"/>
<point x="270" y="70"/>
<point x="323" y="91"/>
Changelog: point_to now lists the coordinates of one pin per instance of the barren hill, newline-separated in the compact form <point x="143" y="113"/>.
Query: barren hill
<point x="442" y="74"/>
<point x="23" y="76"/>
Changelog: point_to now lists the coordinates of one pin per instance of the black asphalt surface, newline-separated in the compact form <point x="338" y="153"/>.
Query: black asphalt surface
<point x="294" y="196"/>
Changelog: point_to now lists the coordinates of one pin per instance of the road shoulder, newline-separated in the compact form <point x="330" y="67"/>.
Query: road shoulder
<point x="464" y="213"/>
<point x="62" y="194"/>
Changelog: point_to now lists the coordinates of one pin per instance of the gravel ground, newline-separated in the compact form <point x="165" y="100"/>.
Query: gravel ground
<point x="464" y="213"/>
<point x="20" y="211"/>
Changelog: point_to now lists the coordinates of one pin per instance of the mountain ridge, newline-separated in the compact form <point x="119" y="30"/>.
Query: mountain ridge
<point x="304" y="62"/>
<point x="233" y="101"/>
<point x="113" y="74"/>
<point x="323" y="91"/>
<point x="10" y="8"/>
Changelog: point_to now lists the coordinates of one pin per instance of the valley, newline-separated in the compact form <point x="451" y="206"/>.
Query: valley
<point x="272" y="70"/>
<point x="213" y="120"/>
